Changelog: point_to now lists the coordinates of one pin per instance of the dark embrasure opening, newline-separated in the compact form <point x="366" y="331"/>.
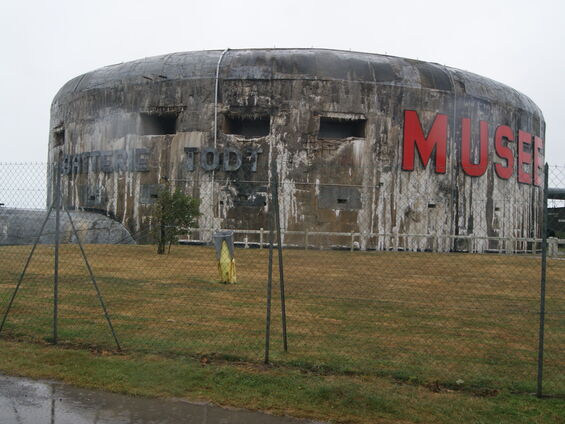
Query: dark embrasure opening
<point x="59" y="136"/>
<point x="336" y="128"/>
<point x="158" y="124"/>
<point x="247" y="126"/>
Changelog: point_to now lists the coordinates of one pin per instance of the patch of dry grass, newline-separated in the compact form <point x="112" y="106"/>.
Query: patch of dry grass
<point x="414" y="316"/>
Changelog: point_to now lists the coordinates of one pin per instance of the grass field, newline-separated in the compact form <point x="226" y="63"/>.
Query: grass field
<point x="465" y="322"/>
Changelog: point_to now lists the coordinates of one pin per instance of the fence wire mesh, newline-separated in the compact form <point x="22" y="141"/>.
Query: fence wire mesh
<point x="409" y="290"/>
<point x="554" y="352"/>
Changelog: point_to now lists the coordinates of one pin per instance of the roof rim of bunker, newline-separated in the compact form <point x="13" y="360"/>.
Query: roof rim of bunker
<point x="194" y="65"/>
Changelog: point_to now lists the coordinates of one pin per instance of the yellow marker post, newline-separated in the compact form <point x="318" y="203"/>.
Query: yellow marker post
<point x="223" y="242"/>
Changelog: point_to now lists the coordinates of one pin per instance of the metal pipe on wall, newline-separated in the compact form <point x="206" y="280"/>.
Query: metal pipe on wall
<point x="216" y="96"/>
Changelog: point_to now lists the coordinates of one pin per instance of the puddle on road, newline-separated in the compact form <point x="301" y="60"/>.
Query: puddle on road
<point x="24" y="401"/>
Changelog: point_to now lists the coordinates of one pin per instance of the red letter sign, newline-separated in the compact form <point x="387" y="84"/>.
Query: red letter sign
<point x="474" y="170"/>
<point x="414" y="137"/>
<point x="538" y="160"/>
<point x="524" y="158"/>
<point x="504" y="152"/>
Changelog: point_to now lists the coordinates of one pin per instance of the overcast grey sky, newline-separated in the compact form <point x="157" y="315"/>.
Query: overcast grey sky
<point x="46" y="43"/>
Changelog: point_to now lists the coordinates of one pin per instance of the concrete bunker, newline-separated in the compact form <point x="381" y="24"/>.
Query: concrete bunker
<point x="383" y="147"/>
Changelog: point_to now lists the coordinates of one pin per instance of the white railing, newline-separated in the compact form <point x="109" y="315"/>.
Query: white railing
<point x="390" y="241"/>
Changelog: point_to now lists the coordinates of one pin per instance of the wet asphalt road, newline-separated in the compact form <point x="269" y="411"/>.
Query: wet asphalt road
<point x="24" y="401"/>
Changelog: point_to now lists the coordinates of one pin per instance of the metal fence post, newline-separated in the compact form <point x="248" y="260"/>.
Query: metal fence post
<point x="269" y="291"/>
<point x="93" y="279"/>
<point x="23" y="273"/>
<point x="539" y="391"/>
<point x="57" y="242"/>
<point x="275" y="180"/>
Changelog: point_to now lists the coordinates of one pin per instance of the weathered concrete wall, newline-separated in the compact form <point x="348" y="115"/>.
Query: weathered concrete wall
<point x="342" y="184"/>
<point x="22" y="226"/>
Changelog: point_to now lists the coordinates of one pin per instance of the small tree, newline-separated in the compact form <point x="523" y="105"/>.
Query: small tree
<point x="174" y="212"/>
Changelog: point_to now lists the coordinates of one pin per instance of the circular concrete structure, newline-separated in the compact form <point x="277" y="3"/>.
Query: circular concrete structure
<point x="364" y="143"/>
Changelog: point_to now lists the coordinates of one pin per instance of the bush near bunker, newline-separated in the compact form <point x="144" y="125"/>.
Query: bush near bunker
<point x="174" y="214"/>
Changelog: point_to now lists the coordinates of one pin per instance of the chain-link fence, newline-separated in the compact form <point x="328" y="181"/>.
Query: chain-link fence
<point x="423" y="289"/>
<point x="554" y="314"/>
